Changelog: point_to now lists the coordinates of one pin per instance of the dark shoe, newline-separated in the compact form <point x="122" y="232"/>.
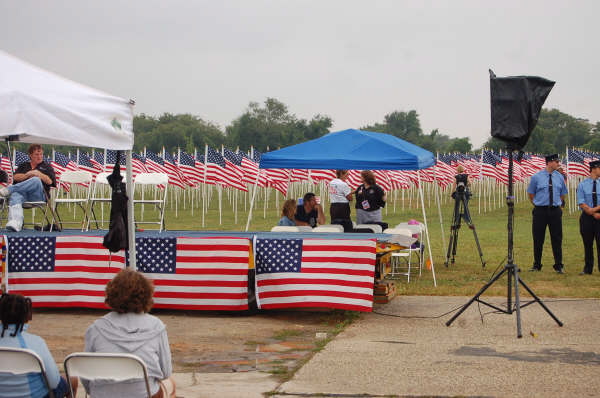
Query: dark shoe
<point x="585" y="273"/>
<point x="559" y="269"/>
<point x="535" y="269"/>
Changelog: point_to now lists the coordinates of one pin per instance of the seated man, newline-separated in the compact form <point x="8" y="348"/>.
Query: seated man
<point x="309" y="212"/>
<point x="31" y="183"/>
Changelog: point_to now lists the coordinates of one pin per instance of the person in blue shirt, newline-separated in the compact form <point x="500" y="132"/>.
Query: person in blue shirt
<point x="547" y="191"/>
<point x="589" y="221"/>
<point x="15" y="312"/>
<point x="287" y="213"/>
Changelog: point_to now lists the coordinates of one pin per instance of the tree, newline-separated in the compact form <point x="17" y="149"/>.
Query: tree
<point x="462" y="145"/>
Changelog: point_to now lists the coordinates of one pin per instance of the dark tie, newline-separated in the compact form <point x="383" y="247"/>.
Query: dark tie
<point x="594" y="198"/>
<point x="550" y="193"/>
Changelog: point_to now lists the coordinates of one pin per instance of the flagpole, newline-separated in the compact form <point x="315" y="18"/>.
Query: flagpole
<point x="426" y="228"/>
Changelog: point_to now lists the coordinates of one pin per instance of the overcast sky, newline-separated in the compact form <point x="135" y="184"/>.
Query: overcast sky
<point x="355" y="61"/>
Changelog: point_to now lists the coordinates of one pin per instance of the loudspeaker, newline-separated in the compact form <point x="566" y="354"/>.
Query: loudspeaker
<point x="516" y="102"/>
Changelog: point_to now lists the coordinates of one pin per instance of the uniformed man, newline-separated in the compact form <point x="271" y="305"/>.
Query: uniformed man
<point x="547" y="191"/>
<point x="589" y="222"/>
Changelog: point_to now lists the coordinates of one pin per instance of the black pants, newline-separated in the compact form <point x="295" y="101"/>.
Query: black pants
<point x="550" y="217"/>
<point x="589" y="228"/>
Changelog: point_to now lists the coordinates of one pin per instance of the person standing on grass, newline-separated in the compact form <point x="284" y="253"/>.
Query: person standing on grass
<point x="589" y="221"/>
<point x="547" y="191"/>
<point x="340" y="195"/>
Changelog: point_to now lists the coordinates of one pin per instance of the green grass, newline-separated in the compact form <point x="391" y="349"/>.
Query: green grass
<point x="465" y="277"/>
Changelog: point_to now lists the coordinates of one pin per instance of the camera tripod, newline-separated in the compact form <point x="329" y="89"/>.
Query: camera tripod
<point x="461" y="211"/>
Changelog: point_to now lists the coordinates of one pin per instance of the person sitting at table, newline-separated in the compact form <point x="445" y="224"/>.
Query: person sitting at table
<point x="287" y="213"/>
<point x="309" y="212"/>
<point x="15" y="313"/>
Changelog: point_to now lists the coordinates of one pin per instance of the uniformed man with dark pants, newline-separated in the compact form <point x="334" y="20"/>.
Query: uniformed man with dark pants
<point x="547" y="191"/>
<point x="589" y="222"/>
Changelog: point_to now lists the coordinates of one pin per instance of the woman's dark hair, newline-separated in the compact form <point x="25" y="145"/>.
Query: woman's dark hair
<point x="14" y="310"/>
<point x="340" y="173"/>
<point x="129" y="291"/>
<point x="368" y="176"/>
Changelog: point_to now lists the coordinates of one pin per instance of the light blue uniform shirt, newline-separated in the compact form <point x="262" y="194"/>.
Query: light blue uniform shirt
<point x="584" y="192"/>
<point x="538" y="186"/>
<point x="31" y="385"/>
<point x="286" y="222"/>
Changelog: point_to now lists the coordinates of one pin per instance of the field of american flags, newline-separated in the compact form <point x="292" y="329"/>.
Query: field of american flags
<point x="487" y="208"/>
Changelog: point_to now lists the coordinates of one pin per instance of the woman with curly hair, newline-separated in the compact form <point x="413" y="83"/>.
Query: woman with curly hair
<point x="128" y="328"/>
<point x="15" y="313"/>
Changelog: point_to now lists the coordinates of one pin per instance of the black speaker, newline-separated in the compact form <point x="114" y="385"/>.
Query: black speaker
<point x="516" y="102"/>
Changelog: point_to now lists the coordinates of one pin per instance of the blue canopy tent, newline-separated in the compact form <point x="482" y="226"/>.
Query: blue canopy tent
<point x="351" y="150"/>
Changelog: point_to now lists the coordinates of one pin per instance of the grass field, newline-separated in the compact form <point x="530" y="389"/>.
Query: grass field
<point x="466" y="276"/>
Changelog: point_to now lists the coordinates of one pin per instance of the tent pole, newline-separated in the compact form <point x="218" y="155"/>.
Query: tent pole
<point x="426" y="228"/>
<point x="130" y="218"/>
<point x="252" y="201"/>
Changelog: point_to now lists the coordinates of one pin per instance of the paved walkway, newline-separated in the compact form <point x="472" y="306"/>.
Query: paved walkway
<point x="411" y="355"/>
<point x="384" y="355"/>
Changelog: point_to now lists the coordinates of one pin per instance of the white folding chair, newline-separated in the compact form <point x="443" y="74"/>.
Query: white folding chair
<point x="105" y="367"/>
<point x="285" y="228"/>
<point x="20" y="361"/>
<point x="332" y="228"/>
<point x="159" y="200"/>
<point x="376" y="228"/>
<point x="80" y="182"/>
<point x="402" y="255"/>
<point x="100" y="193"/>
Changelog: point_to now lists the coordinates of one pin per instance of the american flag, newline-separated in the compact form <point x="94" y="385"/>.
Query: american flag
<point x="576" y="165"/>
<point x="5" y="165"/>
<point x="20" y="158"/>
<point x="196" y="273"/>
<point x="218" y="172"/>
<point x="187" y="164"/>
<point x="176" y="177"/>
<point x="97" y="159"/>
<point x="250" y="168"/>
<point x="154" y="163"/>
<point x="489" y="160"/>
<point x="318" y="175"/>
<point x="63" y="271"/>
<point x="111" y="159"/>
<point x="335" y="273"/>
<point x="137" y="164"/>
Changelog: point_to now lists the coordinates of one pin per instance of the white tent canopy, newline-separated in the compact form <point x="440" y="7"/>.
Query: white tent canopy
<point x="41" y="107"/>
<point x="37" y="106"/>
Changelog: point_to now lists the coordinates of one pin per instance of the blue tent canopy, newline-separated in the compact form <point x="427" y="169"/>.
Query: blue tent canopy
<point x="350" y="150"/>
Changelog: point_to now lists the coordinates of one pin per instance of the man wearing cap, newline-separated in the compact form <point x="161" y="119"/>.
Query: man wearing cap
<point x="547" y="191"/>
<point x="589" y="222"/>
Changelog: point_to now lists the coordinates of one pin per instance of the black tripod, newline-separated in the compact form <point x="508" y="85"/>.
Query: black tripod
<point x="510" y="268"/>
<point x="461" y="211"/>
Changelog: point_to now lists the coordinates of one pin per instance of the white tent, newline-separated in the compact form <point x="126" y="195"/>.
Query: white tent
<point x="37" y="106"/>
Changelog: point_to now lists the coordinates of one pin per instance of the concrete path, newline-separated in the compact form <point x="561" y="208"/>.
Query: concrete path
<point x="410" y="356"/>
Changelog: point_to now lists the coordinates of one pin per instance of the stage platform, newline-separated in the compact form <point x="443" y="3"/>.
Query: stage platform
<point x="198" y="270"/>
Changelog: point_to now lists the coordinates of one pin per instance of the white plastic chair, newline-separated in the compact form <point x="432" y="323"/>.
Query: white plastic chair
<point x="333" y="228"/>
<point x="152" y="179"/>
<point x="19" y="361"/>
<point x="376" y="228"/>
<point x="285" y="228"/>
<point x="106" y="367"/>
<point x="100" y="193"/>
<point x="403" y="254"/>
<point x="78" y="195"/>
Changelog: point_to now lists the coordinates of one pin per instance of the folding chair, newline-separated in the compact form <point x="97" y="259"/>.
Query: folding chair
<point x="106" y="367"/>
<point x="402" y="254"/>
<point x="20" y="361"/>
<point x="78" y="194"/>
<point x="291" y="228"/>
<point x="329" y="228"/>
<point x="100" y="193"/>
<point x="376" y="228"/>
<point x="155" y="180"/>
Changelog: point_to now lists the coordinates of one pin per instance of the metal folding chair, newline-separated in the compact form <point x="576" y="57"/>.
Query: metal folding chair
<point x="20" y="361"/>
<point x="159" y="181"/>
<point x="79" y="194"/>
